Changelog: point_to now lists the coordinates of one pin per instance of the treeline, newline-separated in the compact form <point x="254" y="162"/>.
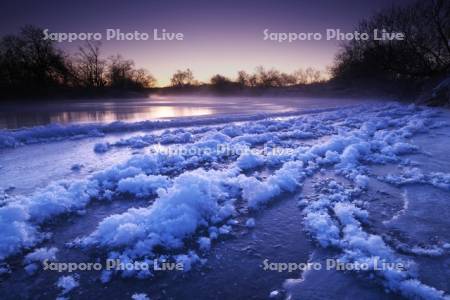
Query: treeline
<point x="261" y="78"/>
<point x="423" y="54"/>
<point x="32" y="66"/>
<point x="273" y="78"/>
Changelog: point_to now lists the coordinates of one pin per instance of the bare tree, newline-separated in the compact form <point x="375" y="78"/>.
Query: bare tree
<point x="308" y="76"/>
<point x="143" y="79"/>
<point x="90" y="67"/>
<point x="300" y="76"/>
<point x="424" y="52"/>
<point x="183" y="78"/>
<point x="268" y="78"/>
<point x="317" y="76"/>
<point x="31" y="63"/>
<point x="243" y="79"/>
<point x="120" y="72"/>
<point x="287" y="79"/>
<point x="219" y="80"/>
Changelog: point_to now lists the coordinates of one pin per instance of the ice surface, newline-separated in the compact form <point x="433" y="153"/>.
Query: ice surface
<point x="199" y="181"/>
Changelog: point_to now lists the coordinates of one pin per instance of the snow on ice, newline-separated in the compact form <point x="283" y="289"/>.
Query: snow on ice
<point x="67" y="283"/>
<point x="210" y="171"/>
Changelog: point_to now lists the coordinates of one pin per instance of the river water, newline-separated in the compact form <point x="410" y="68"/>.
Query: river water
<point x="13" y="115"/>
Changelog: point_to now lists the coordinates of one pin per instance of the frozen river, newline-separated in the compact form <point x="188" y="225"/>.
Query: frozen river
<point x="151" y="108"/>
<point x="234" y="190"/>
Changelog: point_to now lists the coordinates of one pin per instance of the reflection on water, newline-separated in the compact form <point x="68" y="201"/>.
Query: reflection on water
<point x="13" y="115"/>
<point x="147" y="113"/>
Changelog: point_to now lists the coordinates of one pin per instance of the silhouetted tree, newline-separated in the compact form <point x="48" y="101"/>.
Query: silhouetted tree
<point x="300" y="76"/>
<point x="182" y="78"/>
<point x="222" y="83"/>
<point x="243" y="79"/>
<point x="120" y="72"/>
<point x="90" y="68"/>
<point x="268" y="78"/>
<point x="287" y="79"/>
<point x="219" y="80"/>
<point x="143" y="79"/>
<point x="30" y="63"/>
<point x="425" y="51"/>
<point x="263" y="78"/>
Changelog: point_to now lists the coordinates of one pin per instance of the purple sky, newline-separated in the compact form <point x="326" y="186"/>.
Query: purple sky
<point x="219" y="36"/>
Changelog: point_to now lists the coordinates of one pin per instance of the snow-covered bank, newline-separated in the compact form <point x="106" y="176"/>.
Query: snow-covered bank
<point x="200" y="181"/>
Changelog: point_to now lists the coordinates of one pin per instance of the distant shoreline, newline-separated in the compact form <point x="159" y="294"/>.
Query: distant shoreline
<point x="325" y="89"/>
<point x="406" y="91"/>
